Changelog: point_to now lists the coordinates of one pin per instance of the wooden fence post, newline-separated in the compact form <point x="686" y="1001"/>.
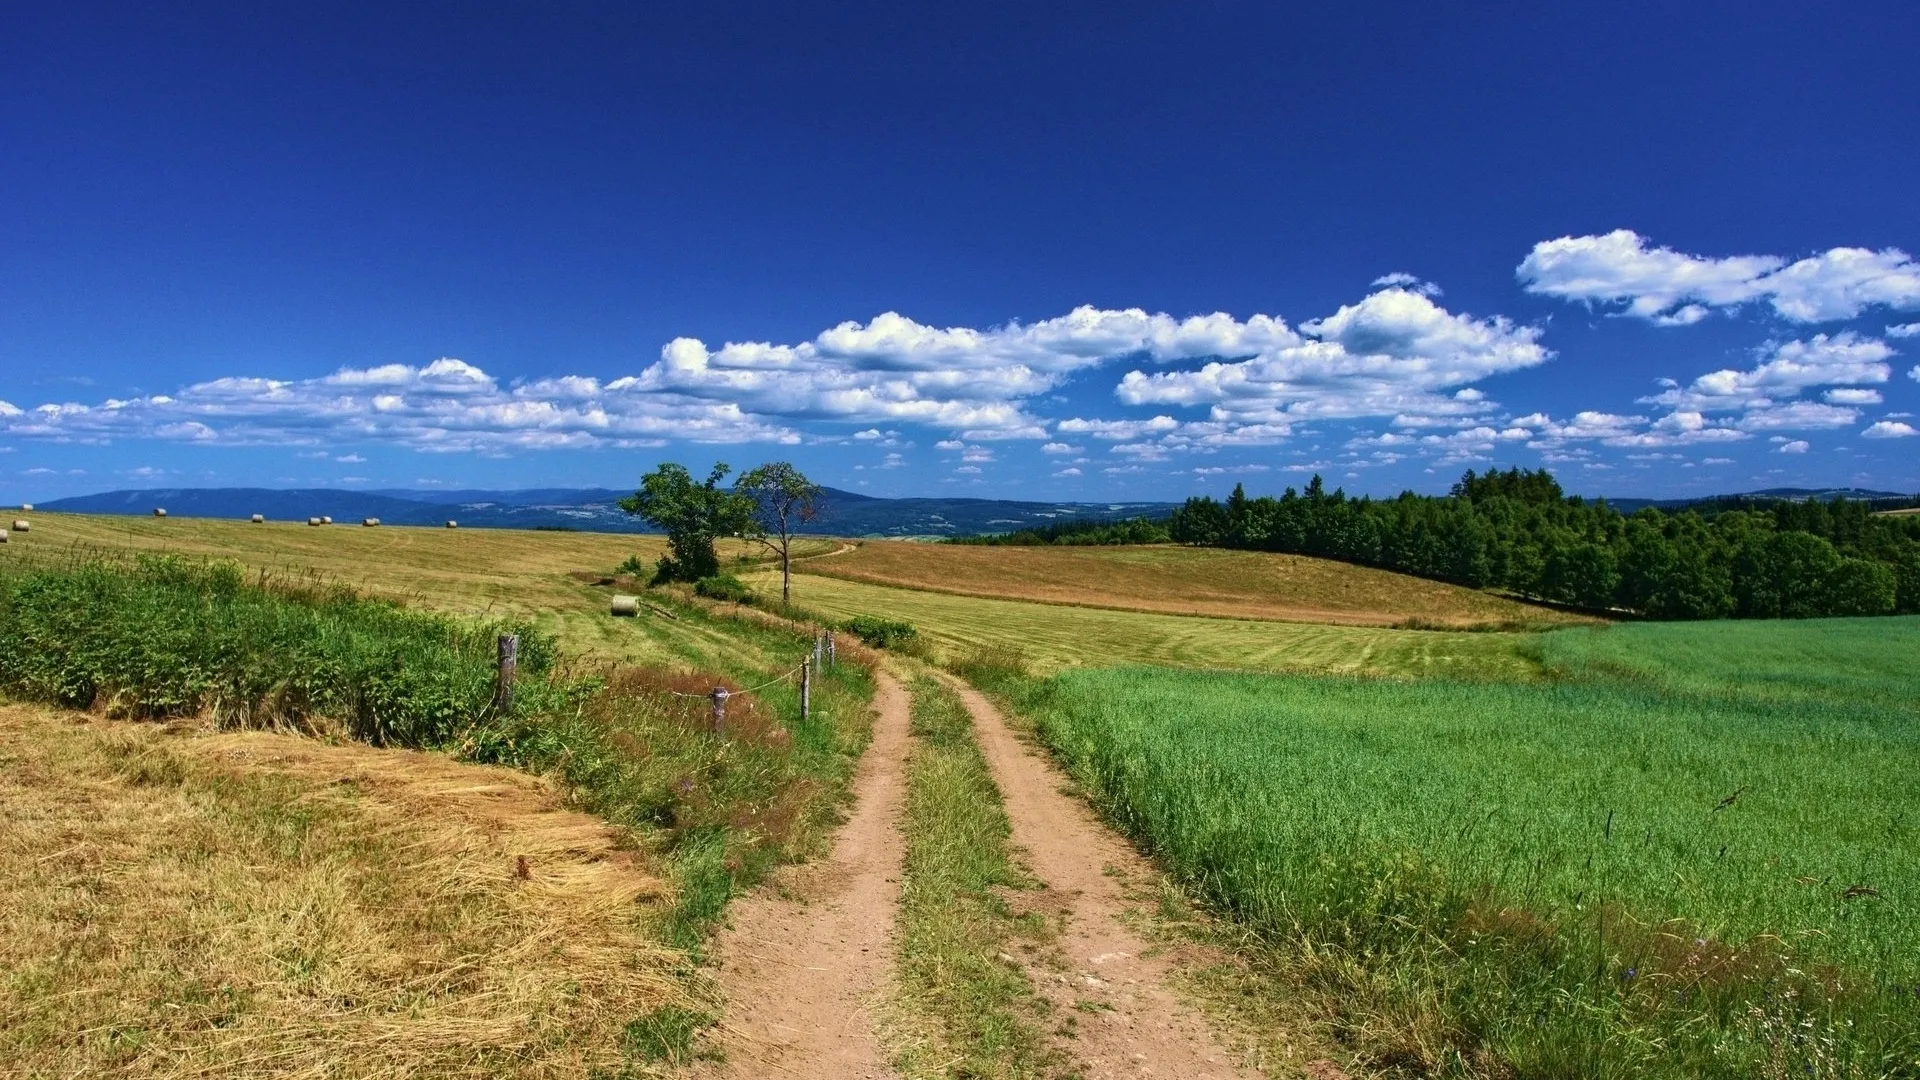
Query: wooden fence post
<point x="819" y="647"/>
<point x="720" y="696"/>
<point x="503" y="678"/>
<point x="831" y="662"/>
<point x="806" y="688"/>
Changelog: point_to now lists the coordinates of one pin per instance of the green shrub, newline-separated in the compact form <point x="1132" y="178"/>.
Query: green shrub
<point x="724" y="587"/>
<point x="882" y="633"/>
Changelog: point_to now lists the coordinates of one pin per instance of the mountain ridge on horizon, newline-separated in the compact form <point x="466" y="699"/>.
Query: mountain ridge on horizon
<point x="594" y="509"/>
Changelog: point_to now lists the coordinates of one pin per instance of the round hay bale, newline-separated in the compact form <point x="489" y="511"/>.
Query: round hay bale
<point x="258" y="519"/>
<point x="159" y="512"/>
<point x="26" y="508"/>
<point x="453" y="524"/>
<point x="22" y="526"/>
<point x="5" y="536"/>
<point x="315" y="521"/>
<point x="326" y="519"/>
<point x="626" y="607"/>
<point x="370" y="522"/>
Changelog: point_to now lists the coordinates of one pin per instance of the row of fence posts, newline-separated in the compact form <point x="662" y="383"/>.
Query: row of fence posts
<point x="823" y="653"/>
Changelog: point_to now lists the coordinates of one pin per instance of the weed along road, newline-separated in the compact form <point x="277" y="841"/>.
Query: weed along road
<point x="1133" y="1024"/>
<point x="805" y="964"/>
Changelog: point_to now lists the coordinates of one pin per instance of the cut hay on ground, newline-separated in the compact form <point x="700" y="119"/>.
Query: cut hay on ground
<point x="183" y="904"/>
<point x="1171" y="580"/>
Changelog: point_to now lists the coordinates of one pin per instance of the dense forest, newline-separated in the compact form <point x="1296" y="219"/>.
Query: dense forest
<point x="1076" y="532"/>
<point x="1518" y="531"/>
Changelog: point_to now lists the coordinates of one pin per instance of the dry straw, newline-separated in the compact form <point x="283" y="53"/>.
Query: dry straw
<point x="450" y="920"/>
<point x="626" y="606"/>
<point x="370" y="522"/>
<point x="326" y="519"/>
<point x="159" y="511"/>
<point x="453" y="524"/>
<point x="258" y="519"/>
<point x="315" y="521"/>
<point x="22" y="525"/>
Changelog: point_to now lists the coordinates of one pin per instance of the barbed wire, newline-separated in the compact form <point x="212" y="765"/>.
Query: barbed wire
<point x="749" y="690"/>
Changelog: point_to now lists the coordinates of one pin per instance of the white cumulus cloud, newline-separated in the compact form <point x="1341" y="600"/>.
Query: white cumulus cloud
<point x="1394" y="352"/>
<point x="1672" y="288"/>
<point x="1889" y="429"/>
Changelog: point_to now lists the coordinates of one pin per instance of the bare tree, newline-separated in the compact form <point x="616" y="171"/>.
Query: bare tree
<point x="783" y="499"/>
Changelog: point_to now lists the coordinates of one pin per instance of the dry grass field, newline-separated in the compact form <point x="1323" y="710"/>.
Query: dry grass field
<point x="479" y="572"/>
<point x="182" y="903"/>
<point x="1055" y="636"/>
<point x="1181" y="581"/>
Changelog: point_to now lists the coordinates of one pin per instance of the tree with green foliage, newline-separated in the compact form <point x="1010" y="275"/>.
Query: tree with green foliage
<point x="782" y="500"/>
<point x="1517" y="530"/>
<point x="693" y="515"/>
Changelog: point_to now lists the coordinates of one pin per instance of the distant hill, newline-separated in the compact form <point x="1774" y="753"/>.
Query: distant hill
<point x="845" y="513"/>
<point x="1765" y="495"/>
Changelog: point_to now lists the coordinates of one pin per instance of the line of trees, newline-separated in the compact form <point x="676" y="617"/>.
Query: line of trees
<point x="1518" y="531"/>
<point x="1075" y="532"/>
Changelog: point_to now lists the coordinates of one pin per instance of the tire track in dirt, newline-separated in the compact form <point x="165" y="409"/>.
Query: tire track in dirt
<point x="1137" y="1027"/>
<point x="803" y="963"/>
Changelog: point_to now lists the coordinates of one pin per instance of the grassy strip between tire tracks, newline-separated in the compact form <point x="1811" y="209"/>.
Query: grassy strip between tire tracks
<point x="966" y="1007"/>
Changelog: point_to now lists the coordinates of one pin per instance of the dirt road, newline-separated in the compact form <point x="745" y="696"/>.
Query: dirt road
<point x="803" y="964"/>
<point x="1137" y="1028"/>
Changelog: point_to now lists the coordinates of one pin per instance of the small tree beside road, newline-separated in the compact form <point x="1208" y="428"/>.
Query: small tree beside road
<point x="782" y="499"/>
<point x="693" y="515"/>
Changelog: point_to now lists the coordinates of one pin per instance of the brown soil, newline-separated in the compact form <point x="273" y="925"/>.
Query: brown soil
<point x="1130" y="1023"/>
<point x="804" y="961"/>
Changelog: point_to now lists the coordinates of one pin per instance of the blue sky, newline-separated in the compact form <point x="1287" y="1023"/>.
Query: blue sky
<point x="1093" y="251"/>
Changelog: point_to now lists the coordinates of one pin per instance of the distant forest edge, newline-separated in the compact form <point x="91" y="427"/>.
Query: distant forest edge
<point x="1518" y="531"/>
<point x="1750" y="557"/>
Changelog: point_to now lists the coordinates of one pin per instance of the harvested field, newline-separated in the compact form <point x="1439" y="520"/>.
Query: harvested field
<point x="183" y="904"/>
<point x="1182" y="581"/>
<point x="1055" y="636"/>
<point x="487" y="573"/>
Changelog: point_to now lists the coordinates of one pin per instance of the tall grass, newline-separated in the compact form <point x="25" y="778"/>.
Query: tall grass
<point x="158" y="636"/>
<point x="1694" y="855"/>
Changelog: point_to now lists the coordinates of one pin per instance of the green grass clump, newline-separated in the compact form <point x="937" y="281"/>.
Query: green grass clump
<point x="1696" y="854"/>
<point x="971" y="1014"/>
<point x="883" y="633"/>
<point x="158" y="636"/>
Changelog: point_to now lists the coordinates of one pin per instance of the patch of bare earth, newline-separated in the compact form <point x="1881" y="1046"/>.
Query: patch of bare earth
<point x="804" y="961"/>
<point x="1130" y="1024"/>
<point x="188" y="904"/>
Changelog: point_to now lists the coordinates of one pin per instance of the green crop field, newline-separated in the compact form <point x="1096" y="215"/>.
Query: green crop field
<point x="1054" y="636"/>
<point x="1695" y="853"/>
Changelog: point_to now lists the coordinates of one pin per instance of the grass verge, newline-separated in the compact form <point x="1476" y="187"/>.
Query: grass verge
<point x="966" y="1007"/>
